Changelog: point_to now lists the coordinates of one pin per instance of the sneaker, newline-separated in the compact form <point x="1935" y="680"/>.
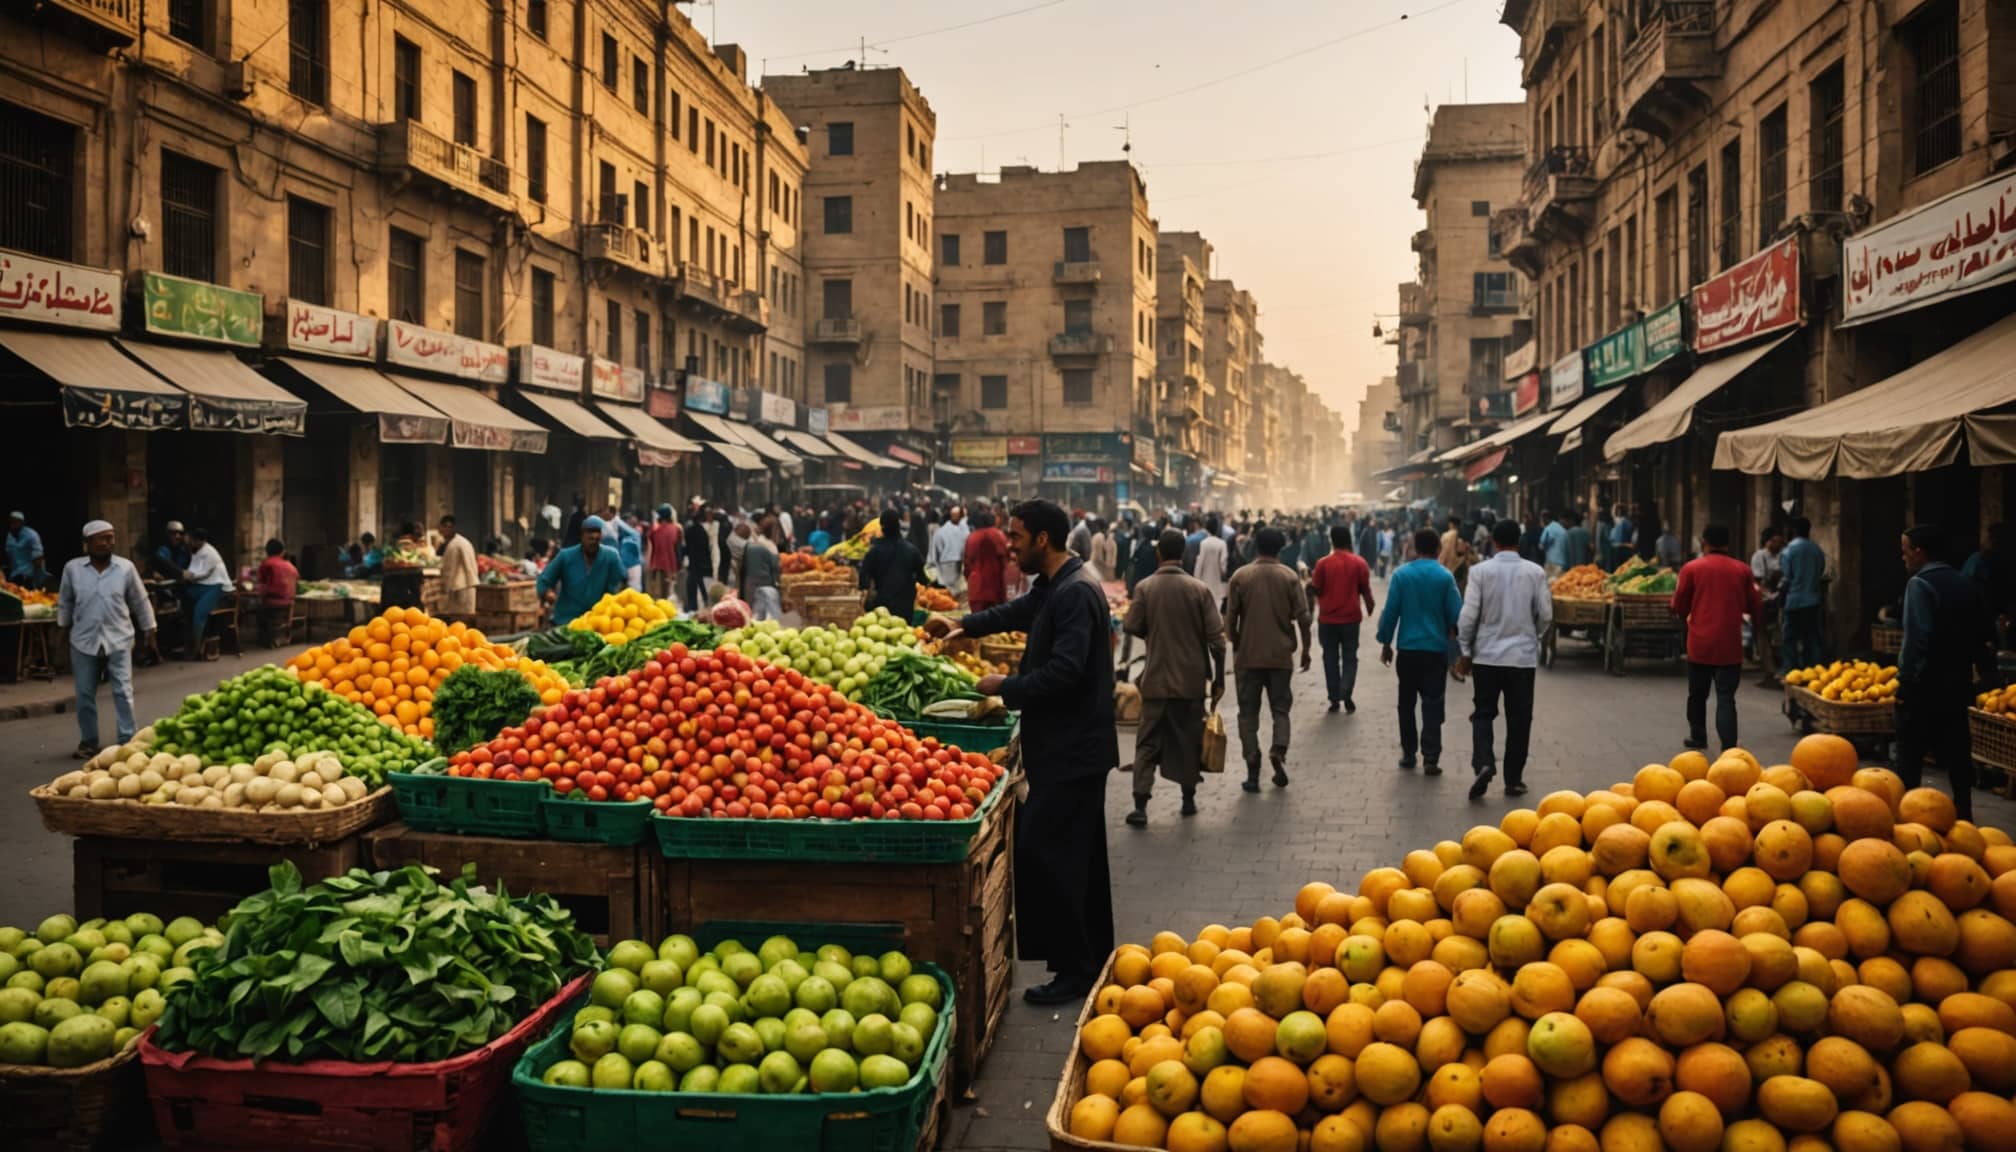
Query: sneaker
<point x="1138" y="818"/>
<point x="1516" y="789"/>
<point x="1483" y="782"/>
<point x="84" y="751"/>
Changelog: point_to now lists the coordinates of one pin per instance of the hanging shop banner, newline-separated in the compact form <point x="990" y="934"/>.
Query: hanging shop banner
<point x="327" y="332"/>
<point x="774" y="409"/>
<point x="549" y="368"/>
<point x="402" y="428"/>
<point x="1564" y="381"/>
<point x="1522" y="361"/>
<point x="605" y="379"/>
<point x="632" y="383"/>
<point x="704" y="395"/>
<point x="1077" y="473"/>
<point x="1144" y="454"/>
<point x="1025" y="445"/>
<point x="412" y="346"/>
<point x="657" y="457"/>
<point x="53" y="292"/>
<point x="816" y="421"/>
<point x="198" y="311"/>
<point x="260" y="417"/>
<point x="1665" y="335"/>
<point x="980" y="451"/>
<point x="1613" y="359"/>
<point x="132" y="411"/>
<point x="1957" y="244"/>
<point x="899" y="452"/>
<point x="1525" y="395"/>
<point x="1759" y="295"/>
<point x="884" y="418"/>
<point x="1093" y="447"/>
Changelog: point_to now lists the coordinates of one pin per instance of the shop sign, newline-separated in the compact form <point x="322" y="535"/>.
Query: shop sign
<point x="657" y="457"/>
<point x="1564" y="381"/>
<point x="133" y="411"/>
<point x="884" y="418"/>
<point x="1957" y="244"/>
<point x="605" y="379"/>
<point x="463" y="434"/>
<point x="53" y="292"/>
<point x="704" y="395"/>
<point x="1613" y="359"/>
<point x="1144" y="453"/>
<point x="1492" y="406"/>
<point x="260" y="417"/>
<point x="401" y="428"/>
<point x="899" y="452"/>
<point x="1096" y="447"/>
<point x="662" y="402"/>
<point x="775" y="409"/>
<point x="412" y="346"/>
<point x="1073" y="472"/>
<point x="199" y="311"/>
<point x="1025" y="445"/>
<point x="1525" y="396"/>
<point x="980" y="451"/>
<point x="548" y="368"/>
<point x="816" y="422"/>
<point x="1759" y="295"/>
<point x="633" y="386"/>
<point x="1522" y="361"/>
<point x="1665" y="335"/>
<point x="327" y="332"/>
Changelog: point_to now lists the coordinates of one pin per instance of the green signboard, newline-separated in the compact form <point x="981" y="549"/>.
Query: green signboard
<point x="1613" y="359"/>
<point x="199" y="311"/>
<point x="1665" y="333"/>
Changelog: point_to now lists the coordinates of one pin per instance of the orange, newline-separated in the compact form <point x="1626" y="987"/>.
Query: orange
<point x="1825" y="759"/>
<point x="1274" y="1084"/>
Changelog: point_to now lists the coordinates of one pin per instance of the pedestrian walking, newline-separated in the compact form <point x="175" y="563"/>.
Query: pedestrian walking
<point x="948" y="546"/>
<point x="1766" y="567"/>
<point x="1064" y="690"/>
<point x="1505" y="612"/>
<point x="1342" y="584"/>
<point x="699" y="543"/>
<point x="1553" y="544"/>
<point x="761" y="568"/>
<point x="1577" y="547"/>
<point x="1174" y="615"/>
<point x="1801" y="566"/>
<point x="1422" y="607"/>
<point x="1454" y="551"/>
<point x="892" y="569"/>
<point x="1716" y="591"/>
<point x="661" y="555"/>
<point x="1265" y="609"/>
<point x="986" y="562"/>
<point x="1948" y="641"/>
<point x="1213" y="560"/>
<point x="102" y="603"/>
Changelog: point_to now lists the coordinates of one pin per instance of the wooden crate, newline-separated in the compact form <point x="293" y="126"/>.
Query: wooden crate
<point x="959" y="916"/>
<point x="612" y="892"/>
<point x="1993" y="738"/>
<point x="1648" y="613"/>
<point x="519" y="596"/>
<point x="1886" y="639"/>
<point x="494" y="624"/>
<point x="119" y="876"/>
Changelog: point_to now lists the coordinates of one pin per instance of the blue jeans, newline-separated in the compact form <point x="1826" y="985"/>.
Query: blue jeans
<point x="1340" y="659"/>
<point x="84" y="670"/>
<point x="204" y="602"/>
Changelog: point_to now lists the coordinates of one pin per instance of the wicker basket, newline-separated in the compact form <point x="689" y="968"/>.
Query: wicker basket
<point x="1994" y="739"/>
<point x="831" y="611"/>
<point x="101" y="1105"/>
<point x="1653" y="613"/>
<point x="134" y="820"/>
<point x="1843" y="719"/>
<point x="1071" y="1085"/>
<point x="1578" y="612"/>
<point x="995" y="650"/>
<point x="1886" y="639"/>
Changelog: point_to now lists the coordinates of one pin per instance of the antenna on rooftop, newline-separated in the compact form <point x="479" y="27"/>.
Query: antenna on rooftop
<point x="867" y="48"/>
<point x="1061" y="126"/>
<point x="1126" y="128"/>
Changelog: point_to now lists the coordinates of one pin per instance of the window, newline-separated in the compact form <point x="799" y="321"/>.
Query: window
<point x="1491" y="245"/>
<point x="693" y="130"/>
<point x="1480" y="208"/>
<point x="1666" y="246"/>
<point x="465" y="109"/>
<point x="404" y="284"/>
<point x="1077" y="245"/>
<point x="1077" y="387"/>
<point x="1697" y="226"/>
<point x="948" y="320"/>
<point x="995" y="245"/>
<point x="609" y="206"/>
<point x="535" y="159"/>
<point x="609" y="61"/>
<point x="1828" y="107"/>
<point x="1077" y="317"/>
<point x="308" y="49"/>
<point x="840" y="138"/>
<point x="909" y="306"/>
<point x="469" y="319"/>
<point x="307" y="250"/>
<point x="839" y="215"/>
<point x="188" y="217"/>
<point x="910" y="143"/>
<point x="36" y="162"/>
<point x="405" y="79"/>
<point x="612" y="330"/>
<point x="640" y="85"/>
<point x="1487" y="364"/>
<point x="1933" y="40"/>
<point x="839" y="382"/>
<point x="1492" y="291"/>
<point x="909" y="221"/>
<point x="837" y="300"/>
<point x="1771" y="174"/>
<point x="994" y="392"/>
<point x="189" y="23"/>
<point x="535" y="17"/>
<point x="710" y="143"/>
<point x="640" y="320"/>
<point x="542" y="307"/>
<point x="672" y="112"/>
<point x="1729" y="243"/>
<point x="948" y="251"/>
<point x="994" y="318"/>
<point x="640" y="205"/>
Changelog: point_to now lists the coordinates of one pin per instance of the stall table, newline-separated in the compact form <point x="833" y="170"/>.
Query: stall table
<point x="1641" y="627"/>
<point x="1576" y="616"/>
<point x="611" y="890"/>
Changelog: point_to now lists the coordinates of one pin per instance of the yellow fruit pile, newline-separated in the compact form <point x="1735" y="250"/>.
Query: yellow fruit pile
<point x="1851" y="681"/>
<point x="1582" y="582"/>
<point x="619" y="617"/>
<point x="393" y="665"/>
<point x="1711" y="956"/>
<point x="2001" y="701"/>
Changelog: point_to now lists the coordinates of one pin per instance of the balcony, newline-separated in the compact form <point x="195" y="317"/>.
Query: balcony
<point x="704" y="289"/>
<point x="1070" y="345"/>
<point x="103" y="24"/>
<point x="1558" y="185"/>
<point x="836" y="330"/>
<point x="1415" y="309"/>
<point x="1490" y="302"/>
<point x="1516" y="242"/>
<point x="1193" y="314"/>
<point x="750" y="308"/>
<point x="1545" y="25"/>
<point x="1663" y="70"/>
<point x="1075" y="272"/>
<point x="408" y="150"/>
<point x="616" y="244"/>
<point x="1422" y="242"/>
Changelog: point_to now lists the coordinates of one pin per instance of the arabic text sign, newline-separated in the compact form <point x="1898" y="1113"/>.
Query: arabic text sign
<point x="605" y="378"/>
<point x="1757" y="296"/>
<point x="262" y="417"/>
<point x="1025" y="445"/>
<point x="1665" y="334"/>
<point x="1077" y="473"/>
<point x="704" y="395"/>
<point x="883" y="418"/>
<point x="1526" y="394"/>
<point x="52" y="292"/>
<point x="463" y="434"/>
<point x="548" y="368"/>
<point x="133" y="411"/>
<point x="199" y="311"/>
<point x="1613" y="359"/>
<point x="407" y="428"/>
<point x="313" y="328"/>
<point x="1093" y="447"/>
<point x="444" y="352"/>
<point x="980" y="451"/>
<point x="1953" y="245"/>
<point x="1564" y="381"/>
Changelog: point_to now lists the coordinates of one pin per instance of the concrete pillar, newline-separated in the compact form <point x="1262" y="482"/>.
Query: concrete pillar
<point x="437" y="488"/>
<point x="121" y="482"/>
<point x="261" y="491"/>
<point x="360" y="508"/>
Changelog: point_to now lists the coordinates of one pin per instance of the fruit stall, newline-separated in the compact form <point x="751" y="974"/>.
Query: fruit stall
<point x="1856" y="699"/>
<point x="1991" y="725"/>
<point x="1582" y="598"/>
<point x="1640" y="624"/>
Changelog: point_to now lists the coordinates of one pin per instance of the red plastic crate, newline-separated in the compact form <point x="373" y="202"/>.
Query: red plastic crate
<point x="445" y="1106"/>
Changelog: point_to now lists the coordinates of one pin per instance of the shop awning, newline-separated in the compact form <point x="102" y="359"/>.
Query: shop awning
<point x="1670" y="418"/>
<point x="765" y="447"/>
<point x="571" y="415"/>
<point x="226" y="395"/>
<point x="101" y="386"/>
<point x="856" y="451"/>
<point x="1484" y="465"/>
<point x="951" y="469"/>
<point x="1584" y="411"/>
<point x="1498" y="439"/>
<point x="807" y="443"/>
<point x="656" y="444"/>
<point x="475" y="420"/>
<point x="1910" y="422"/>
<point x="402" y="419"/>
<point x="738" y="457"/>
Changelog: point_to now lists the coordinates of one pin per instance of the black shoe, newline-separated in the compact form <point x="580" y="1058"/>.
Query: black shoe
<point x="86" y="750"/>
<point x="1280" y="776"/>
<point x="1138" y="818"/>
<point x="1057" y="991"/>
<point x="1189" y="804"/>
<point x="1250" y="784"/>
<point x="1690" y="742"/>
<point x="1516" y="789"/>
<point x="1350" y="705"/>
<point x="1430" y="768"/>
<point x="1483" y="782"/>
<point x="1406" y="763"/>
<point x="1333" y="705"/>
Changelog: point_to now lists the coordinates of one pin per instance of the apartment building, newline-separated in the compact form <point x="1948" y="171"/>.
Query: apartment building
<point x="1190" y="428"/>
<point x="1377" y="444"/>
<point x="1231" y="354"/>
<point x="1046" y="324"/>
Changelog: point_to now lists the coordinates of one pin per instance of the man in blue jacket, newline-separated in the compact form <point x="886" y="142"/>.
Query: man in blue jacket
<point x="581" y="574"/>
<point x="1422" y="607"/>
<point x="1801" y="566"/>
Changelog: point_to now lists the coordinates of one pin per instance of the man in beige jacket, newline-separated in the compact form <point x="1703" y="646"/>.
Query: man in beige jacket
<point x="1178" y="618"/>
<point x="458" y="571"/>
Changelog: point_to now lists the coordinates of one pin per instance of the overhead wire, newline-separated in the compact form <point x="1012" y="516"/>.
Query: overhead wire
<point x="921" y="35"/>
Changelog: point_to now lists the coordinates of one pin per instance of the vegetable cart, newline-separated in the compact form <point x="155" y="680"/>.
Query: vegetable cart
<point x="1641" y="627"/>
<point x="1582" y="617"/>
<point x="1869" y="726"/>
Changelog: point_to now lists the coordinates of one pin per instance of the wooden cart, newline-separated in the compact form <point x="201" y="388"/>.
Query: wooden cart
<point x="1575" y="616"/>
<point x="1643" y="628"/>
<point x="1869" y="726"/>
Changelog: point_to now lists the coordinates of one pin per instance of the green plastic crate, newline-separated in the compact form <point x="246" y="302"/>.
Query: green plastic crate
<point x="592" y="822"/>
<point x="856" y="841"/>
<point x="470" y="806"/>
<point x="981" y="738"/>
<point x="876" y="1120"/>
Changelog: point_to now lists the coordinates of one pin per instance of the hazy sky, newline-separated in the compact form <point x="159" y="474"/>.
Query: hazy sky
<point x="1299" y="172"/>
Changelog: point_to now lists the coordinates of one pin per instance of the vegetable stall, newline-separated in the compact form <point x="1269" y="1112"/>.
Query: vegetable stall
<point x="1640" y="623"/>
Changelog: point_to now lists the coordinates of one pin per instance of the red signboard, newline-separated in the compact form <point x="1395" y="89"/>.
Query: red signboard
<point x="1526" y="394"/>
<point x="1025" y="446"/>
<point x="1759" y="295"/>
<point x="1484" y="465"/>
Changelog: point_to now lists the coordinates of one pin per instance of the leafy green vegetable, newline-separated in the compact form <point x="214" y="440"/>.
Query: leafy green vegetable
<point x="557" y="644"/>
<point x="616" y="659"/>
<point x="473" y="704"/>
<point x="373" y="966"/>
<point x="909" y="682"/>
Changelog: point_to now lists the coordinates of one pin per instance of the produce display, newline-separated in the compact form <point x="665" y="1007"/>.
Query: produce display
<point x="474" y="704"/>
<point x="910" y="685"/>
<point x="931" y="599"/>
<point x="721" y="734"/>
<point x="267" y="710"/>
<point x="846" y="660"/>
<point x="409" y="555"/>
<point x="1712" y="955"/>
<point x="273" y="782"/>
<point x="855" y="547"/>
<point x="395" y="664"/>
<point x="370" y="966"/>
<point x="1849" y="681"/>
<point x="1659" y="583"/>
<point x="611" y="659"/>
<point x="77" y="993"/>
<point x="803" y="563"/>
<point x="774" y="1021"/>
<point x="625" y="615"/>
<point x="2000" y="701"/>
<point x="1582" y="582"/>
<point x="32" y="597"/>
<point x="501" y="570"/>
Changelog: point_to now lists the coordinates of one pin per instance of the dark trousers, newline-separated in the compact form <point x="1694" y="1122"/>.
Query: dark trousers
<point x="696" y="588"/>
<point x="1424" y="675"/>
<point x="1940" y="728"/>
<point x="1725" y="678"/>
<point x="1489" y="682"/>
<point x="1063" y="893"/>
<point x="1800" y="645"/>
<point x="1277" y="684"/>
<point x="1340" y="659"/>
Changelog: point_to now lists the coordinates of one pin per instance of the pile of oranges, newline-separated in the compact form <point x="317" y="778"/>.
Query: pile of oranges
<point x="393" y="665"/>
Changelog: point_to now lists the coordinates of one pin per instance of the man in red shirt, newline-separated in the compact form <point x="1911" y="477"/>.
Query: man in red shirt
<point x="276" y="581"/>
<point x="985" y="562"/>
<point x="1715" y="592"/>
<point x="1343" y="586"/>
<point x="661" y="554"/>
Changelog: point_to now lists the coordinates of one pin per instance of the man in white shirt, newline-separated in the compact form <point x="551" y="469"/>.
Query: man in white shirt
<point x="1212" y="556"/>
<point x="458" y="571"/>
<point x="101" y="603"/>
<point x="209" y="582"/>
<point x="1505" y="610"/>
<point x="948" y="544"/>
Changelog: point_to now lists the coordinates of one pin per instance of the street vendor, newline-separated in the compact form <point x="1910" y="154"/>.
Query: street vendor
<point x="26" y="565"/>
<point x="458" y="571"/>
<point x="171" y="559"/>
<point x="580" y="575"/>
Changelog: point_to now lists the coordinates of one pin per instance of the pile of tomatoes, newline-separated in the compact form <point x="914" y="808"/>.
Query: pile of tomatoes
<point x="719" y="734"/>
